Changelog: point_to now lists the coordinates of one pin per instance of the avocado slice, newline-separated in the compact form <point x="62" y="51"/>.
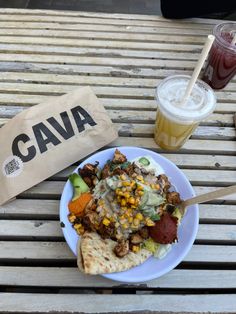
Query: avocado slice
<point x="78" y="184"/>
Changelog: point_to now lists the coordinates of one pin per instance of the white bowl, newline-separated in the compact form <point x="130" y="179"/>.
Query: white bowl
<point x="153" y="267"/>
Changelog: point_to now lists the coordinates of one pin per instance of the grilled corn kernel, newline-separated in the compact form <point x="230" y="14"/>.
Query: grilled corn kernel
<point x="106" y="222"/>
<point x="125" y="226"/>
<point x="71" y="217"/>
<point x="135" y="248"/>
<point x="126" y="183"/>
<point x="80" y="230"/>
<point x="126" y="194"/>
<point x="118" y="192"/>
<point x="136" y="222"/>
<point x="132" y="183"/>
<point x="140" y="178"/>
<point x="77" y="226"/>
<point x="149" y="222"/>
<point x="122" y="177"/>
<point x="133" y="206"/>
<point x="139" y="187"/>
<point x="139" y="216"/>
<point x="140" y="193"/>
<point x="131" y="200"/>
<point x="123" y="202"/>
<point x="130" y="220"/>
<point x="101" y="202"/>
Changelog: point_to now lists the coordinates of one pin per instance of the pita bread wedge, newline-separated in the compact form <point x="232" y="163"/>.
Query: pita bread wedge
<point x="96" y="256"/>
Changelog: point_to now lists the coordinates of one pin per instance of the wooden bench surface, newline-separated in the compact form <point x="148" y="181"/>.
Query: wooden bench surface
<point x="123" y="58"/>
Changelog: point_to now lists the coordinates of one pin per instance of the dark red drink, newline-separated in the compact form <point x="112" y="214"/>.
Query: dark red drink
<point x="221" y="63"/>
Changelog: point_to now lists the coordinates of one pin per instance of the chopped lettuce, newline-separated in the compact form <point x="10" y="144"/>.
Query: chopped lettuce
<point x="162" y="250"/>
<point x="158" y="250"/>
<point x="177" y="213"/>
<point x="150" y="245"/>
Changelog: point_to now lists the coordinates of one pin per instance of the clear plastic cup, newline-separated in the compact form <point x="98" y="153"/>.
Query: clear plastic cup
<point x="175" y="122"/>
<point x="221" y="63"/>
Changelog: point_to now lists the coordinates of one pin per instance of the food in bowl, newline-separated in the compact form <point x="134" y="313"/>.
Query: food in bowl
<point x="123" y="213"/>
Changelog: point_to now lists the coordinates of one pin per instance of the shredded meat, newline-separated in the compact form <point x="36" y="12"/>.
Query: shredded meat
<point x="107" y="231"/>
<point x="121" y="248"/>
<point x="118" y="158"/>
<point x="105" y="171"/>
<point x="164" y="182"/>
<point x="88" y="181"/>
<point x="88" y="170"/>
<point x="90" y="220"/>
<point x="118" y="171"/>
<point x="130" y="169"/>
<point x="136" y="238"/>
<point x="89" y="173"/>
<point x="173" y="198"/>
<point x="165" y="229"/>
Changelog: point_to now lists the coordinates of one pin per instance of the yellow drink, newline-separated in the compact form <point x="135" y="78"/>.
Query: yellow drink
<point x="171" y="135"/>
<point x="176" y="121"/>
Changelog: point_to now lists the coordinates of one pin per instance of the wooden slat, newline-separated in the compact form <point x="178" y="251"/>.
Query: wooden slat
<point x="191" y="146"/>
<point x="47" y="209"/>
<point x="113" y="91"/>
<point x="71" y="277"/>
<point x="47" y="303"/>
<point x="176" y="38"/>
<point x="145" y="130"/>
<point x="149" y="117"/>
<point x="100" y="43"/>
<point x="90" y="80"/>
<point x="129" y="62"/>
<point x="30" y="208"/>
<point x="99" y="27"/>
<point x="18" y="11"/>
<point x="59" y="251"/>
<point x="96" y="52"/>
<point x="217" y="213"/>
<point x="31" y="229"/>
<point x="18" y="250"/>
<point x="9" y="101"/>
<point x="108" y="20"/>
<point x="202" y="132"/>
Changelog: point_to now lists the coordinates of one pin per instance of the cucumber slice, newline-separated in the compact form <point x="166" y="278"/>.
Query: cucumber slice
<point x="144" y="161"/>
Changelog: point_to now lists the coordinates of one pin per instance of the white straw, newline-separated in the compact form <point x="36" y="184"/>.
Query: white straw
<point x="198" y="67"/>
<point x="233" y="42"/>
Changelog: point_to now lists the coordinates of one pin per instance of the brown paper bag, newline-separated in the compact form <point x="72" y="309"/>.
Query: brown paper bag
<point x="48" y="137"/>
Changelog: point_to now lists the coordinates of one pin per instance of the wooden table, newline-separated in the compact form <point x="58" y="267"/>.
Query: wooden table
<point x="123" y="57"/>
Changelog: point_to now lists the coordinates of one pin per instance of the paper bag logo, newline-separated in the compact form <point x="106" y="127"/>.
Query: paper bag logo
<point x="44" y="136"/>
